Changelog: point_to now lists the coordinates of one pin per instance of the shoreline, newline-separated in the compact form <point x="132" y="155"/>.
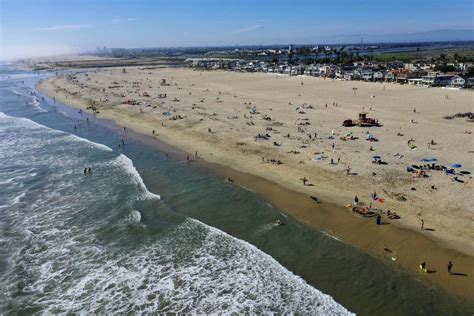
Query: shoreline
<point x="295" y="201"/>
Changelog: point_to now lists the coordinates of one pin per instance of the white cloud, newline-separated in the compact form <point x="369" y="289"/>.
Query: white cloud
<point x="63" y="27"/>
<point x="248" y="28"/>
<point x="121" y="20"/>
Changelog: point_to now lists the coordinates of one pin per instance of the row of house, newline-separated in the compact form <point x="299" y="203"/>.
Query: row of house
<point x="389" y="72"/>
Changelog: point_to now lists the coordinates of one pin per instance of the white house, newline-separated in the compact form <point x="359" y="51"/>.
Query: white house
<point x="378" y="75"/>
<point x="457" y="82"/>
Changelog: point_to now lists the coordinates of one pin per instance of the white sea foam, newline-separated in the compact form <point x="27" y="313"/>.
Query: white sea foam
<point x="36" y="104"/>
<point x="90" y="143"/>
<point x="61" y="264"/>
<point x="27" y="123"/>
<point x="135" y="216"/>
<point x="127" y="164"/>
<point x="330" y="235"/>
<point x="216" y="274"/>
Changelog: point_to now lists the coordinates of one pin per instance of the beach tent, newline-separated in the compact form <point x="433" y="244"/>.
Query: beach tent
<point x="429" y="160"/>
<point x="456" y="165"/>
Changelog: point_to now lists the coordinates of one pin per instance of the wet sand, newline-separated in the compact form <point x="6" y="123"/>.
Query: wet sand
<point x="409" y="246"/>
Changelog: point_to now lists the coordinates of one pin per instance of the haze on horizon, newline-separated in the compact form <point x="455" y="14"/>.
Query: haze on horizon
<point x="53" y="27"/>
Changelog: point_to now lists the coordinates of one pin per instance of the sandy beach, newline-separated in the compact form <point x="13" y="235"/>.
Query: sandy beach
<point x="299" y="120"/>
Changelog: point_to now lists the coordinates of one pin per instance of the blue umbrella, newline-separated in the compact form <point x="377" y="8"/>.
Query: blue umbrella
<point x="376" y="157"/>
<point x="429" y="159"/>
<point x="456" y="165"/>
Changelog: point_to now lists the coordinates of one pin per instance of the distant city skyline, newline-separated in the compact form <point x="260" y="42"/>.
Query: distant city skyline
<point x="50" y="27"/>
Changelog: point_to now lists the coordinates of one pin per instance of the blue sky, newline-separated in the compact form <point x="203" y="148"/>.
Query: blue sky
<point x="41" y="26"/>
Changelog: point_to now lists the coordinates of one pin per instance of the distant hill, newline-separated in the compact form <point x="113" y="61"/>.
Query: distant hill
<point x="427" y="36"/>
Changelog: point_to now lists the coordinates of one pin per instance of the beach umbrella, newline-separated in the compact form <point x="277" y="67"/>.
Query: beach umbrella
<point x="376" y="157"/>
<point x="456" y="165"/>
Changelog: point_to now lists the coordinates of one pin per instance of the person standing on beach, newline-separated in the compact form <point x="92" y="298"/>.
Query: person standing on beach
<point x="422" y="224"/>
<point x="304" y="181"/>
<point x="450" y="266"/>
<point x="423" y="267"/>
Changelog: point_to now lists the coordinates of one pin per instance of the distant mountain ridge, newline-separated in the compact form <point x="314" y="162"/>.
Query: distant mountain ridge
<point x="426" y="36"/>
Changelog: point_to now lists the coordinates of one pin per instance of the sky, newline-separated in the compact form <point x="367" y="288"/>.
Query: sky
<point x="47" y="27"/>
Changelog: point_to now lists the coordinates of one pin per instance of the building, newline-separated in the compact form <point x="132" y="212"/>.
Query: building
<point x="378" y="76"/>
<point x="429" y="79"/>
<point x="470" y="82"/>
<point x="457" y="82"/>
<point x="443" y="80"/>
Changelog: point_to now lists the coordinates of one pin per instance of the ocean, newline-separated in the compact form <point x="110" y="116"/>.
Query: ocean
<point x="148" y="232"/>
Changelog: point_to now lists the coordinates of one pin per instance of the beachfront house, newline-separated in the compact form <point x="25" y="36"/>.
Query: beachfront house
<point x="367" y="74"/>
<point x="443" y="80"/>
<point x="470" y="82"/>
<point x="378" y="75"/>
<point x="415" y="81"/>
<point x="389" y="76"/>
<point x="405" y="75"/>
<point x="457" y="82"/>
<point x="429" y="79"/>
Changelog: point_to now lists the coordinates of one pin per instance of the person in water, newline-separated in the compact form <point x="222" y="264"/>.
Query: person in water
<point x="278" y="222"/>
<point x="89" y="170"/>
<point x="85" y="170"/>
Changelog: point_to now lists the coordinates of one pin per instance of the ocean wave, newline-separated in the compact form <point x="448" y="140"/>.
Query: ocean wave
<point x="61" y="260"/>
<point x="24" y="122"/>
<point x="195" y="269"/>
<point x="127" y="164"/>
